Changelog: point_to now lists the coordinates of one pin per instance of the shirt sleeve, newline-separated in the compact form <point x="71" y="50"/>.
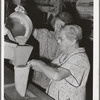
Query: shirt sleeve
<point x="38" y="32"/>
<point x="76" y="70"/>
<point x="35" y="33"/>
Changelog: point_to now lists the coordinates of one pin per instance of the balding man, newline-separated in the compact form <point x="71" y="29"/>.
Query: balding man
<point x="69" y="72"/>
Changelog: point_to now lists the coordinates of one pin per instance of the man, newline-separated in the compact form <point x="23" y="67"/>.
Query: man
<point x="68" y="72"/>
<point x="48" y="46"/>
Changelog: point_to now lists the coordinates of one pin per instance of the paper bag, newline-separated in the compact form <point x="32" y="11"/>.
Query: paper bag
<point x="21" y="78"/>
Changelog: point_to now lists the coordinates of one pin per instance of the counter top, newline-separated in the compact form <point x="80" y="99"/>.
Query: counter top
<point x="10" y="92"/>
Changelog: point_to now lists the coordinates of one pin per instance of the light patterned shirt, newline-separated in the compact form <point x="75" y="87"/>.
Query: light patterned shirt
<point x="49" y="49"/>
<point x="74" y="86"/>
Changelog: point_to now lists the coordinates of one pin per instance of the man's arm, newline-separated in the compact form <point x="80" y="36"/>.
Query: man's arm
<point x="42" y="31"/>
<point x="35" y="33"/>
<point x="52" y="73"/>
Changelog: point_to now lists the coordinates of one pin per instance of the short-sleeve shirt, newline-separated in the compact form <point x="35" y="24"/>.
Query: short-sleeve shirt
<point x="49" y="49"/>
<point x="48" y="44"/>
<point x="72" y="87"/>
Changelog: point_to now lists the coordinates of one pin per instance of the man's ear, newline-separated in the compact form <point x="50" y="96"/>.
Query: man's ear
<point x="74" y="41"/>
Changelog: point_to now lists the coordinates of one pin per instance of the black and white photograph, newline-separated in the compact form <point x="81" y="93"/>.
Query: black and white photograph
<point x="48" y="50"/>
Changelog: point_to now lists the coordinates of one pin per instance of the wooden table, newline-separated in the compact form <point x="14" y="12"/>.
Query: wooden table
<point x="10" y="92"/>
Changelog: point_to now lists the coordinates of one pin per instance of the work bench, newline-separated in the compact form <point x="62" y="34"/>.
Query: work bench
<point x="10" y="93"/>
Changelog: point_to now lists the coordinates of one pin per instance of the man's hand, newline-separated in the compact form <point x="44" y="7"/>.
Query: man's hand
<point x="35" y="64"/>
<point x="21" y="9"/>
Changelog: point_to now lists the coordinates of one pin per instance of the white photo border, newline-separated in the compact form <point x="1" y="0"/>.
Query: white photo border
<point x="95" y="50"/>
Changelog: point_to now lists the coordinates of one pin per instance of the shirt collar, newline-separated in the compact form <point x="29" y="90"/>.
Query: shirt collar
<point x="79" y="50"/>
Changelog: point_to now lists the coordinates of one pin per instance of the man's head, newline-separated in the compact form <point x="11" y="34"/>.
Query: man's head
<point x="61" y="19"/>
<point x="66" y="17"/>
<point x="73" y="32"/>
<point x="69" y="36"/>
<point x="17" y="2"/>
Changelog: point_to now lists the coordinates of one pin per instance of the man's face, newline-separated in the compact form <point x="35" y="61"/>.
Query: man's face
<point x="58" y="25"/>
<point x="63" y="41"/>
<point x="16" y="2"/>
